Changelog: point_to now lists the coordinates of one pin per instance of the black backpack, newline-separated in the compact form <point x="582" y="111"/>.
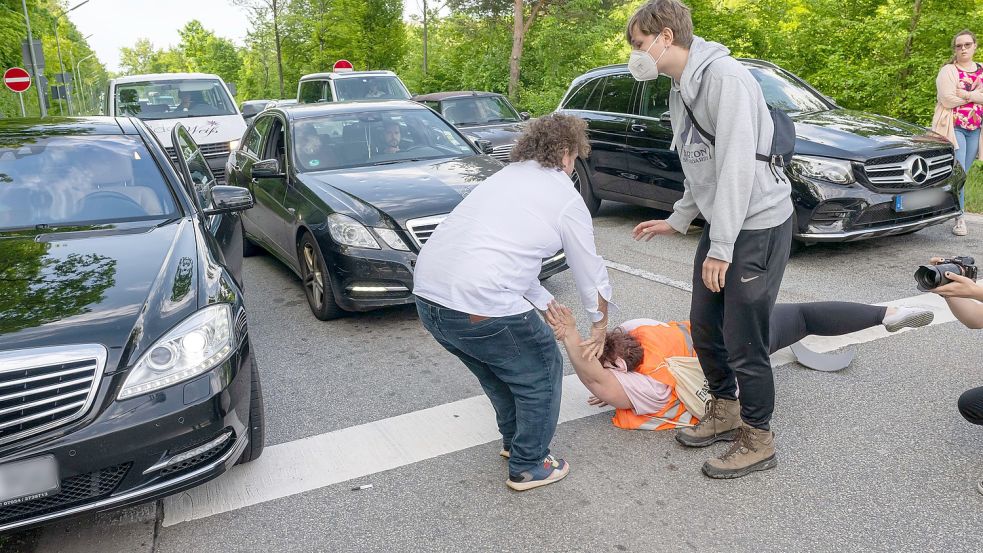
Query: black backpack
<point x="782" y="142"/>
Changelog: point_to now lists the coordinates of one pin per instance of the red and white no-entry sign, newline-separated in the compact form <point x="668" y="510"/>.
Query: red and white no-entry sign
<point x="17" y="79"/>
<point x="343" y="66"/>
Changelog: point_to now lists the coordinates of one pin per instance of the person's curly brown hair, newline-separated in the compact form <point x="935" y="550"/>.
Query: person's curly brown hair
<point x="619" y="343"/>
<point x="547" y="138"/>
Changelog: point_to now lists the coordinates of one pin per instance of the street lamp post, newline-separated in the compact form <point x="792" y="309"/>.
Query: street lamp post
<point x="76" y="83"/>
<point x="61" y="64"/>
<point x="34" y="62"/>
<point x="78" y="70"/>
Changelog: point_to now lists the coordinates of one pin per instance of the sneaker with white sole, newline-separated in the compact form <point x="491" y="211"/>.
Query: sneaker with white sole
<point x="960" y="228"/>
<point x="907" y="317"/>
<point x="549" y="471"/>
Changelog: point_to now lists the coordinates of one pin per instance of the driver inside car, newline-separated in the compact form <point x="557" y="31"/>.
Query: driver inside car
<point x="391" y="137"/>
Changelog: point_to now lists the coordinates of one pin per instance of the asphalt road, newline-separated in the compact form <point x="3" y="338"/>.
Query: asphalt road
<point x="873" y="458"/>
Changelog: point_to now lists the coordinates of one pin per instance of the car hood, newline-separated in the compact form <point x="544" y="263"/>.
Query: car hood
<point x="408" y="190"/>
<point x="205" y="130"/>
<point x="115" y="285"/>
<point x="498" y="135"/>
<point x="859" y="136"/>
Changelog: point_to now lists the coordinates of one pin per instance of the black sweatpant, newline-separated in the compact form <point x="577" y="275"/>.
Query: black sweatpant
<point x="971" y="405"/>
<point x="731" y="328"/>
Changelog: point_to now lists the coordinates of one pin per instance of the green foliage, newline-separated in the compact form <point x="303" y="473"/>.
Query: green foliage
<point x="974" y="188"/>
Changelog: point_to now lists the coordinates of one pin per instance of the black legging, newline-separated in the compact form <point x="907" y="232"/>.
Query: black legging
<point x="791" y="322"/>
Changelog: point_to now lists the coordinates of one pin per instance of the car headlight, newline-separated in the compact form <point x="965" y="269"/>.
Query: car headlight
<point x="839" y="171"/>
<point x="392" y="239"/>
<point x="349" y="232"/>
<point x="233" y="145"/>
<point x="193" y="347"/>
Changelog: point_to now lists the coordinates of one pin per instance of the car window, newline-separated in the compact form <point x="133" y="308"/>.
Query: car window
<point x="655" y="98"/>
<point x="275" y="145"/>
<point x="67" y="180"/>
<point x="312" y="92"/>
<point x="378" y="87"/>
<point x="480" y="110"/>
<point x="785" y="94"/>
<point x="173" y="99"/>
<point x="616" y="95"/>
<point x="363" y="138"/>
<point x="202" y="179"/>
<point x="579" y="99"/>
<point x="254" y="138"/>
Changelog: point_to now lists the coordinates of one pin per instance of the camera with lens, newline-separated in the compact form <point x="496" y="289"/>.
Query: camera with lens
<point x="930" y="277"/>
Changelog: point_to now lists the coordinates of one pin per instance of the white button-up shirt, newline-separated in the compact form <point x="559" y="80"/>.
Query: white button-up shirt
<point x="486" y="256"/>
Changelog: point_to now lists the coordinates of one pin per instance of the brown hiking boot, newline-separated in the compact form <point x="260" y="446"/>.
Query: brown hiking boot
<point x="753" y="449"/>
<point x="722" y="419"/>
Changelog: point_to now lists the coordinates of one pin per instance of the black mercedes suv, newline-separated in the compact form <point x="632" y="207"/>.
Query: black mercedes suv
<point x="854" y="175"/>
<point x="126" y="371"/>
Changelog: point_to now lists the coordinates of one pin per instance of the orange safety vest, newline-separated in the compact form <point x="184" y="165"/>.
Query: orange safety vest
<point x="658" y="344"/>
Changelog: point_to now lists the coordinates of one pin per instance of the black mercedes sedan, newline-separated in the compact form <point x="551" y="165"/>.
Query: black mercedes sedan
<point x="487" y="118"/>
<point x="347" y="193"/>
<point x="126" y="371"/>
<point x="854" y="176"/>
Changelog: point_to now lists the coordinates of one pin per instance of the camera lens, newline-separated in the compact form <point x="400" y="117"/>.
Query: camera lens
<point x="928" y="277"/>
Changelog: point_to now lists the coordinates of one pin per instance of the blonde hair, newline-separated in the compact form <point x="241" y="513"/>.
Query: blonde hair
<point x="655" y="15"/>
<point x="547" y="138"/>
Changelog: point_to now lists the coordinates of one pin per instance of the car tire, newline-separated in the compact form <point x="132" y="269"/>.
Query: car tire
<point x="257" y="420"/>
<point x="249" y="248"/>
<point x="317" y="283"/>
<point x="581" y="181"/>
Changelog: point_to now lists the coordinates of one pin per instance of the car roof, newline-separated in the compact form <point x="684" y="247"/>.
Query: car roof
<point x="164" y="77"/>
<point x="305" y="111"/>
<point x="346" y="75"/>
<point x="68" y="126"/>
<point x="438" y="96"/>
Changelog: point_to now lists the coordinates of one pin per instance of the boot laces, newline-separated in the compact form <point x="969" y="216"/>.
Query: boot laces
<point x="742" y="441"/>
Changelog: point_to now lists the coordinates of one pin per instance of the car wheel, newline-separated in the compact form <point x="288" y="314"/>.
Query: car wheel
<point x="249" y="248"/>
<point x="317" y="283"/>
<point x="581" y="181"/>
<point x="257" y="423"/>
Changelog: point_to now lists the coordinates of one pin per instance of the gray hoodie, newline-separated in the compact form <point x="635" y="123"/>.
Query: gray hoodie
<point x="724" y="182"/>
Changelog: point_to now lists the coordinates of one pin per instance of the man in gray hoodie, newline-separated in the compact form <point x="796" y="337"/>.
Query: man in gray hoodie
<point x="720" y="122"/>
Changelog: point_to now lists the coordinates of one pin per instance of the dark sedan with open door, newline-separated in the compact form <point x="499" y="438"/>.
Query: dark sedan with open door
<point x="126" y="371"/>
<point x="348" y="193"/>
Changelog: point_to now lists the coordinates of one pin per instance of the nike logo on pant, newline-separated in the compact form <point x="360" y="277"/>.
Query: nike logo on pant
<point x="749" y="279"/>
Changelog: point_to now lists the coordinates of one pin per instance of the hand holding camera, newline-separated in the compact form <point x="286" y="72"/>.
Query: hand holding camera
<point x="950" y="278"/>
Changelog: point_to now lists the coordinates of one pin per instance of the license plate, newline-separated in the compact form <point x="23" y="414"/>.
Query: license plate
<point x="913" y="201"/>
<point x="29" y="479"/>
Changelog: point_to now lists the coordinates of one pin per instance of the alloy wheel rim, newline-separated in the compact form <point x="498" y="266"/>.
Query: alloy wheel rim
<point x="314" y="281"/>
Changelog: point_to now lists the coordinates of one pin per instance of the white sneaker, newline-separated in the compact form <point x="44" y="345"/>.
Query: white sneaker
<point x="907" y="317"/>
<point x="960" y="228"/>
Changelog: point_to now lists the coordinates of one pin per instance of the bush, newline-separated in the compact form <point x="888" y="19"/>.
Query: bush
<point x="974" y="188"/>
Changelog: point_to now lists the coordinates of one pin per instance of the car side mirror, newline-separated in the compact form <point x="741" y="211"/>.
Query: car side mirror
<point x="229" y="199"/>
<point x="484" y="146"/>
<point x="665" y="119"/>
<point x="524" y="115"/>
<point x="267" y="169"/>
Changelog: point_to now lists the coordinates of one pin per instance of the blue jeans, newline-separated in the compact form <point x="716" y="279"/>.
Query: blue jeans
<point x="520" y="368"/>
<point x="969" y="146"/>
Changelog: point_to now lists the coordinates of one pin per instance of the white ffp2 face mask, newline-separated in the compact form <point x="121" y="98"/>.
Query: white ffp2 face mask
<point x="642" y="66"/>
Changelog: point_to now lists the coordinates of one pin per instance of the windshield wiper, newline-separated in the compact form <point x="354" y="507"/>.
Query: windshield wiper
<point x="389" y="162"/>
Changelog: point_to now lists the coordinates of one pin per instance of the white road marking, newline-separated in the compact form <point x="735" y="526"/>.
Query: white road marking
<point x="685" y="286"/>
<point x="318" y="461"/>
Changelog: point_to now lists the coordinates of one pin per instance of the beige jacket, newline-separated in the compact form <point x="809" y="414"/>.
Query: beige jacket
<point x="946" y="84"/>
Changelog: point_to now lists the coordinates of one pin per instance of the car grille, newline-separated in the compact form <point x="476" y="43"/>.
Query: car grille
<point x="502" y="153"/>
<point x="421" y="229"/>
<point x="219" y="175"/>
<point x="907" y="172"/>
<point x="75" y="490"/>
<point x="44" y="388"/>
<point x="884" y="213"/>
<point x="207" y="150"/>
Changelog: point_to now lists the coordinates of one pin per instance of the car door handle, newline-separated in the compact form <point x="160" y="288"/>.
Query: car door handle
<point x="638" y="127"/>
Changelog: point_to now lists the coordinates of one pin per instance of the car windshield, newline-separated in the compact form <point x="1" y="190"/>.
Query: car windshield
<point x="786" y="94"/>
<point x="378" y="87"/>
<point x="173" y="99"/>
<point x="71" y="180"/>
<point x="374" y="138"/>
<point x="482" y="110"/>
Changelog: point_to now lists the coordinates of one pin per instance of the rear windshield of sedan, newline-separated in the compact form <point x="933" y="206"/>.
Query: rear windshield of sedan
<point x="173" y="99"/>
<point x="370" y="88"/>
<point x="785" y="94"/>
<point x="73" y="180"/>
<point x="481" y="110"/>
<point x="374" y="138"/>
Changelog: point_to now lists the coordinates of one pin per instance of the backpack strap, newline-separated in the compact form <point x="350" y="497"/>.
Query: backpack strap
<point x="774" y="161"/>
